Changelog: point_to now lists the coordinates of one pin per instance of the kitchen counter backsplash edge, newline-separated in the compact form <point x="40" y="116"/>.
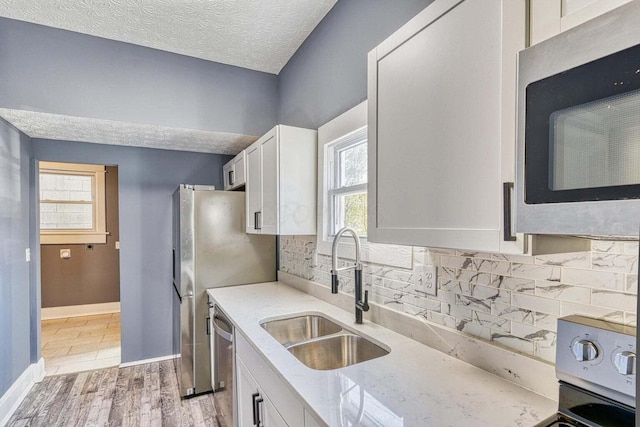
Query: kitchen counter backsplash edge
<point x="523" y="370"/>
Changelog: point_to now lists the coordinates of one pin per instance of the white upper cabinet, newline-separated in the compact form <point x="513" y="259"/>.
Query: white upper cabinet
<point x="234" y="171"/>
<point x="281" y="182"/>
<point x="551" y="17"/>
<point x="442" y="126"/>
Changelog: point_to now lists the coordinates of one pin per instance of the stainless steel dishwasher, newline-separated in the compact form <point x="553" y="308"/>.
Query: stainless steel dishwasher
<point x="222" y="367"/>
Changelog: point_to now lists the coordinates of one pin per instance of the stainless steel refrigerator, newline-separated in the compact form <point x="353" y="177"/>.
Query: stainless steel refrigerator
<point x="210" y="249"/>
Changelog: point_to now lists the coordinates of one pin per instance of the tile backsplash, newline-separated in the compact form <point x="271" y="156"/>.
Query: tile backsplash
<point x="511" y="300"/>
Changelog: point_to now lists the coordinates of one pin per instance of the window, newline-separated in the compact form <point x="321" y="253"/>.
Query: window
<point x="72" y="203"/>
<point x="347" y="189"/>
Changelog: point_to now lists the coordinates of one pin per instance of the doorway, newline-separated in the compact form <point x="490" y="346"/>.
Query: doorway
<point x="80" y="267"/>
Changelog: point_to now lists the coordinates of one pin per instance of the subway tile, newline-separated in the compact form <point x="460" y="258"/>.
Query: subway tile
<point x="593" y="279"/>
<point x="494" y="323"/>
<point x="614" y="300"/>
<point x="631" y="284"/>
<point x="472" y="303"/>
<point x="544" y="352"/>
<point x="441" y="319"/>
<point x="535" y="303"/>
<point x="474" y="329"/>
<point x="615" y="262"/>
<point x="520" y="259"/>
<point x="515" y="284"/>
<point x="631" y="248"/>
<point x="476" y="264"/>
<point x="568" y="308"/>
<point x="536" y="272"/>
<point x="546" y="321"/>
<point x="534" y="333"/>
<point x="574" y="259"/>
<point x="563" y="292"/>
<point x="514" y="300"/>
<point x="455" y="286"/>
<point x="490" y="294"/>
<point x="512" y="313"/>
<point x="607" y="246"/>
<point x="476" y="278"/>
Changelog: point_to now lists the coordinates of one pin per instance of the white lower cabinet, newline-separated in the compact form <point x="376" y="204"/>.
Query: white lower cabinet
<point x="254" y="407"/>
<point x="263" y="399"/>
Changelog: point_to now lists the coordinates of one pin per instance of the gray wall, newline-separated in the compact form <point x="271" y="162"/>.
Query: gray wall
<point x="328" y="74"/>
<point x="56" y="71"/>
<point x="15" y="291"/>
<point x="90" y="276"/>
<point x="147" y="179"/>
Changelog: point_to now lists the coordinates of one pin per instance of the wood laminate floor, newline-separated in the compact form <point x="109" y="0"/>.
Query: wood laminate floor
<point x="142" y="395"/>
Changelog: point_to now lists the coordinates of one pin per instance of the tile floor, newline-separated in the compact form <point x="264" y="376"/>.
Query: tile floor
<point x="78" y="344"/>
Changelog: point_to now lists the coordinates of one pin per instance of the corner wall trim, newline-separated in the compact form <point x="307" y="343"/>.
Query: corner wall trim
<point x="12" y="399"/>
<point x="144" y="361"/>
<point x="79" y="310"/>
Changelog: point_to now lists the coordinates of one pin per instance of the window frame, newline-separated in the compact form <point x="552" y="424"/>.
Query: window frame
<point x="98" y="234"/>
<point x="347" y="123"/>
<point x="333" y="171"/>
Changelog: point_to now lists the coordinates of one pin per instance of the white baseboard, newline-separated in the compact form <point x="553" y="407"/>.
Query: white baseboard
<point x="144" y="361"/>
<point x="48" y="313"/>
<point x="12" y="399"/>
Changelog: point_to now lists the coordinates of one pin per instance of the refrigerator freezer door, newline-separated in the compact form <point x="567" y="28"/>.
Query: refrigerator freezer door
<point x="224" y="255"/>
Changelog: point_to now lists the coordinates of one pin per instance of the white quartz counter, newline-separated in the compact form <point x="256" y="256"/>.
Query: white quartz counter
<point x="414" y="385"/>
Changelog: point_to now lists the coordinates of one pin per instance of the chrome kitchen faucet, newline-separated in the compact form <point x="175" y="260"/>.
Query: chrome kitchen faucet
<point x="360" y="304"/>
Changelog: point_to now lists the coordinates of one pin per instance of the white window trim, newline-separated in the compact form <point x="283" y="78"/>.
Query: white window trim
<point x="99" y="233"/>
<point x="348" y="124"/>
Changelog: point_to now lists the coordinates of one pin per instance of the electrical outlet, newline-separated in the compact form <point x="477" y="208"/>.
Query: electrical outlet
<point x="314" y="258"/>
<point x="27" y="254"/>
<point x="427" y="282"/>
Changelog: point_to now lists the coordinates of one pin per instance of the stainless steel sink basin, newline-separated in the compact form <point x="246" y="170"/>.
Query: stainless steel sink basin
<point x="300" y="328"/>
<point x="336" y="351"/>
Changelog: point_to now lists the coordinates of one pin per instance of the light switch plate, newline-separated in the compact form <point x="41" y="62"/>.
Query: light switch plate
<point x="427" y="282"/>
<point x="27" y="254"/>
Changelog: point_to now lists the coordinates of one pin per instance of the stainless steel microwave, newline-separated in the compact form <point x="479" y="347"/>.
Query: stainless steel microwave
<point x="578" y="151"/>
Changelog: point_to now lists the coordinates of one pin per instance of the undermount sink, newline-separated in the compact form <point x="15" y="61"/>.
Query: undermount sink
<point x="336" y="352"/>
<point x="300" y="328"/>
<point x="320" y="343"/>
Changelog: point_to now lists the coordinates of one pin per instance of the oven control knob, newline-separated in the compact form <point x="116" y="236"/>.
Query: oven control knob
<point x="584" y="350"/>
<point x="625" y="363"/>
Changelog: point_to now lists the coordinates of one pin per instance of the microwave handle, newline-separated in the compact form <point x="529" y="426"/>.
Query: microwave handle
<point x="507" y="190"/>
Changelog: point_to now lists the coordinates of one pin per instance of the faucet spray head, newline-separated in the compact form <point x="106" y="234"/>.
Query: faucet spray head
<point x="334" y="282"/>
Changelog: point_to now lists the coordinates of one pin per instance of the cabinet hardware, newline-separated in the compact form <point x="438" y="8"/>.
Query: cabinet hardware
<point x="254" y="396"/>
<point x="208" y="325"/>
<point x="258" y="402"/>
<point x="507" y="190"/>
<point x="231" y="177"/>
<point x="257" y="219"/>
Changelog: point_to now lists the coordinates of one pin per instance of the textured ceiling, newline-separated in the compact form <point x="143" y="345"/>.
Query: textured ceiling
<point x="68" y="128"/>
<point x="256" y="34"/>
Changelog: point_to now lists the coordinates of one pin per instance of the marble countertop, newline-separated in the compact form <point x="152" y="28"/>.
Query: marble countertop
<point x="414" y="385"/>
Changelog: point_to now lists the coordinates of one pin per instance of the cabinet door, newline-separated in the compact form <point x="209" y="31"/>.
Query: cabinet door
<point x="551" y="17"/>
<point x="227" y="175"/>
<point x="253" y="188"/>
<point x="247" y="388"/>
<point x="270" y="416"/>
<point x="270" y="179"/>
<point x="435" y="130"/>
<point x="239" y="169"/>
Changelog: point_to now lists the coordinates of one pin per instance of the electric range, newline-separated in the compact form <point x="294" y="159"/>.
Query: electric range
<point x="596" y="369"/>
